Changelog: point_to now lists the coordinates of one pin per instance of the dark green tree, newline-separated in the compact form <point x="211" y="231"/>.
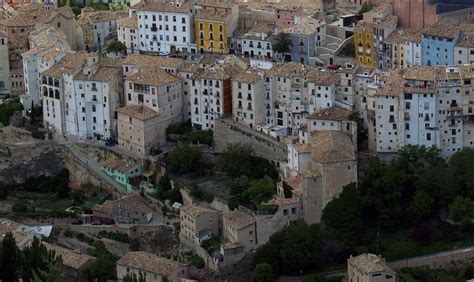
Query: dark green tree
<point x="366" y="7"/>
<point x="263" y="272"/>
<point x="259" y="191"/>
<point x="283" y="43"/>
<point x="421" y="206"/>
<point x="461" y="210"/>
<point x="342" y="216"/>
<point x="9" y="259"/>
<point x="184" y="160"/>
<point x="462" y="164"/>
<point x="116" y="47"/>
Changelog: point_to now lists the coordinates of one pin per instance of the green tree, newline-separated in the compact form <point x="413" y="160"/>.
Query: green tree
<point x="259" y="191"/>
<point x="263" y="272"/>
<point x="238" y="160"/>
<point x="116" y="47"/>
<point x="283" y="43"/>
<point x="184" y="160"/>
<point x="9" y="259"/>
<point x="438" y="181"/>
<point x="35" y="259"/>
<point x="165" y="182"/>
<point x="343" y="215"/>
<point x="291" y="250"/>
<point x="462" y="164"/>
<point x="366" y="7"/>
<point x="461" y="209"/>
<point x="421" y="205"/>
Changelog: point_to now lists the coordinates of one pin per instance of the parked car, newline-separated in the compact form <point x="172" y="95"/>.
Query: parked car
<point x="109" y="222"/>
<point x="110" y="142"/>
<point x="96" y="222"/>
<point x="76" y="222"/>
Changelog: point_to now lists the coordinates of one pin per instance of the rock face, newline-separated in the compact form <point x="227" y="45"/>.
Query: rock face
<point x="30" y="161"/>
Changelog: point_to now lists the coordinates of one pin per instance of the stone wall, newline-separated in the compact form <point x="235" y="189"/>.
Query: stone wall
<point x="228" y="132"/>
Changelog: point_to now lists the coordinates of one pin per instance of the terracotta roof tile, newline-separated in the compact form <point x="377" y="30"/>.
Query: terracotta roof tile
<point x="149" y="263"/>
<point x="332" y="146"/>
<point x="138" y="112"/>
<point x="332" y="113"/>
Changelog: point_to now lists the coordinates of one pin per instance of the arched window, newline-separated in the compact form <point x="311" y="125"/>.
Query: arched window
<point x="50" y="93"/>
<point x="44" y="80"/>
<point x="56" y="94"/>
<point x="56" y="83"/>
<point x="45" y="91"/>
<point x="50" y="81"/>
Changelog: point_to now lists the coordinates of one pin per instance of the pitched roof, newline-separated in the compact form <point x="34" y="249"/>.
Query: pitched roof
<point x="146" y="61"/>
<point x="322" y="77"/>
<point x="105" y="207"/>
<point x="332" y="113"/>
<point x="249" y="76"/>
<point x="70" y="258"/>
<point x="370" y="263"/>
<point x="154" y="77"/>
<point x="184" y="7"/>
<point x="332" y="146"/>
<point x="121" y="165"/>
<point x="195" y="210"/>
<point x="441" y="30"/>
<point x="238" y="219"/>
<point x="136" y="201"/>
<point x="150" y="263"/>
<point x="129" y="22"/>
<point x="138" y="112"/>
<point x="211" y="15"/>
<point x="71" y="63"/>
<point x="465" y="41"/>
<point x="308" y="26"/>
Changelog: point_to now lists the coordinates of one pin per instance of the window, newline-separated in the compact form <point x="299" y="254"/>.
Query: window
<point x="428" y="136"/>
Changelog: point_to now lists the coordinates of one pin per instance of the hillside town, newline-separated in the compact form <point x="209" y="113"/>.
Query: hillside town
<point x="228" y="140"/>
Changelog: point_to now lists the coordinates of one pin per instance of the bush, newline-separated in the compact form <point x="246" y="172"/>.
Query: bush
<point x="197" y="261"/>
<point x="211" y="244"/>
<point x="184" y="160"/>
<point x="7" y="109"/>
<point x="263" y="272"/>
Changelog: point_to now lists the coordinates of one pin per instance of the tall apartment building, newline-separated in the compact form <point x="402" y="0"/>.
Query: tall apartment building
<point x="153" y="99"/>
<point x="248" y="100"/>
<point x="166" y="27"/>
<point x="56" y="85"/>
<point x="215" y="24"/>
<point x="306" y="35"/>
<point x="438" y="43"/>
<point x="424" y="106"/>
<point x="98" y="92"/>
<point x="127" y="33"/>
<point x="211" y="91"/>
<point x="47" y="47"/>
<point x="293" y="91"/>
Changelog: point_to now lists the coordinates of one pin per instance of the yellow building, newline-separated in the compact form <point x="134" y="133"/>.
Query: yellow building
<point x="214" y="24"/>
<point x="364" y="44"/>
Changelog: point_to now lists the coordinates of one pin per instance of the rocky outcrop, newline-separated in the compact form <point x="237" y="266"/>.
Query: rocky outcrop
<point x="30" y="161"/>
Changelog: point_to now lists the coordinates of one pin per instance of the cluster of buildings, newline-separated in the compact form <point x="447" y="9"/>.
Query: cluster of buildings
<point x="380" y="44"/>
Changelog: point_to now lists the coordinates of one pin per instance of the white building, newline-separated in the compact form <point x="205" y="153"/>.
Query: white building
<point x="248" y="101"/>
<point x="127" y="33"/>
<point x="426" y="106"/>
<point x="98" y="92"/>
<point x="211" y="92"/>
<point x="56" y="84"/>
<point x="257" y="42"/>
<point x="464" y="49"/>
<point x="47" y="46"/>
<point x="166" y="27"/>
<point x="413" y="48"/>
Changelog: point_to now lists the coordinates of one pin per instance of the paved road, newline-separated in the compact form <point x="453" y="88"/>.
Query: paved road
<point x="92" y="165"/>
